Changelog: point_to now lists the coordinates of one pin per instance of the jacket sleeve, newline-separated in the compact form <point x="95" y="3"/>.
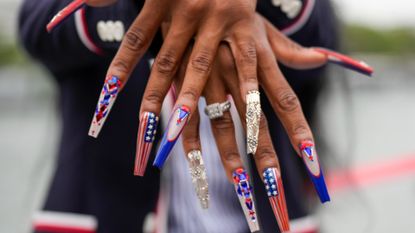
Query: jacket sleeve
<point x="76" y="43"/>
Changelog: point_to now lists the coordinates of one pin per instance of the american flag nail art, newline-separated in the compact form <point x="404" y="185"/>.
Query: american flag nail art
<point x="145" y="138"/>
<point x="276" y="196"/>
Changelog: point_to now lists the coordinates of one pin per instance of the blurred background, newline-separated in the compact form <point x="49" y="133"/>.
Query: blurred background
<point x="367" y="124"/>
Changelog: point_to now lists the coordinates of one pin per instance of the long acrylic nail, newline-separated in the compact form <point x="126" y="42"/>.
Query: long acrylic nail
<point x="276" y="196"/>
<point x="345" y="61"/>
<point x="145" y="138"/>
<point x="244" y="192"/>
<point x="199" y="178"/>
<point x="64" y="14"/>
<point x="106" y="101"/>
<point x="315" y="172"/>
<point x="177" y="122"/>
<point x="253" y="117"/>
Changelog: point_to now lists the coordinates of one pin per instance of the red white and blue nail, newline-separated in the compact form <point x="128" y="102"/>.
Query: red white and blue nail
<point x="244" y="191"/>
<point x="345" y="61"/>
<point x="106" y="100"/>
<point x="276" y="196"/>
<point x="64" y="14"/>
<point x="315" y="172"/>
<point x="177" y="122"/>
<point x="145" y="139"/>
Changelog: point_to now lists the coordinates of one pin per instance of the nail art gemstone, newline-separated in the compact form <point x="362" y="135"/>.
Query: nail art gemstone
<point x="177" y="122"/>
<point x="315" y="172"/>
<point x="199" y="178"/>
<point x="106" y="101"/>
<point x="276" y="196"/>
<point x="64" y="14"/>
<point x="244" y="191"/>
<point x="345" y="61"/>
<point x="145" y="138"/>
<point x="253" y="117"/>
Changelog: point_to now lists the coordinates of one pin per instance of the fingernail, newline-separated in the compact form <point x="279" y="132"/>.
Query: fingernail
<point x="145" y="138"/>
<point x="276" y="196"/>
<point x="315" y="172"/>
<point x="177" y="122"/>
<point x="346" y="61"/>
<point x="64" y="14"/>
<point x="244" y="191"/>
<point x="199" y="177"/>
<point x="253" y="117"/>
<point x="106" y="101"/>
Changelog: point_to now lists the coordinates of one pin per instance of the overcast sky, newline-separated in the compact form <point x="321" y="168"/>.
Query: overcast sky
<point x="378" y="12"/>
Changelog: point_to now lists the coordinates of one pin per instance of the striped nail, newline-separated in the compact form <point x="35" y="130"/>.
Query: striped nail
<point x="253" y="117"/>
<point x="145" y="138"/>
<point x="199" y="178"/>
<point x="106" y="101"/>
<point x="345" y="61"/>
<point x="64" y="14"/>
<point x="177" y="122"/>
<point x="315" y="172"/>
<point x="244" y="191"/>
<point x="276" y="196"/>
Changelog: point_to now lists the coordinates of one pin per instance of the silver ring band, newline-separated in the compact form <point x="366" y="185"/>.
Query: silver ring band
<point x="216" y="110"/>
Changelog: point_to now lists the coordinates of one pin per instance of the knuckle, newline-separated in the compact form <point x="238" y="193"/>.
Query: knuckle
<point x="195" y="7"/>
<point x="202" y="62"/>
<point x="166" y="63"/>
<point x="191" y="94"/>
<point x="288" y="101"/>
<point x="122" y="66"/>
<point x="135" y="39"/>
<point x="248" y="53"/>
<point x="154" y="97"/>
<point x="300" y="128"/>
<point x="265" y="153"/>
<point x="223" y="125"/>
<point x="230" y="155"/>
<point x="192" y="140"/>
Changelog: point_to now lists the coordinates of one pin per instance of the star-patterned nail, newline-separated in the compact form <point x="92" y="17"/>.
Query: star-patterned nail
<point x="145" y="138"/>
<point x="106" y="100"/>
<point x="199" y="178"/>
<point x="177" y="122"/>
<point x="276" y="196"/>
<point x="345" y="61"/>
<point x="64" y="14"/>
<point x="315" y="172"/>
<point x="253" y="117"/>
<point x="244" y="191"/>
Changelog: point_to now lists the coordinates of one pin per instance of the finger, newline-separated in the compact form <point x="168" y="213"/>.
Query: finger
<point x="289" y="52"/>
<point x="294" y="55"/>
<point x="244" y="52"/>
<point x="192" y="148"/>
<point x="134" y="45"/>
<point x="287" y="106"/>
<point x="197" y="72"/>
<point x="162" y="72"/>
<point x="265" y="157"/>
<point x="224" y="134"/>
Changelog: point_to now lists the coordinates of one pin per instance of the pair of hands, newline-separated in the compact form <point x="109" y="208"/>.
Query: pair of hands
<point x="252" y="47"/>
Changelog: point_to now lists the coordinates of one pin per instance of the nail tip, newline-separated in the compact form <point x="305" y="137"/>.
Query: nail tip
<point x="321" y="187"/>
